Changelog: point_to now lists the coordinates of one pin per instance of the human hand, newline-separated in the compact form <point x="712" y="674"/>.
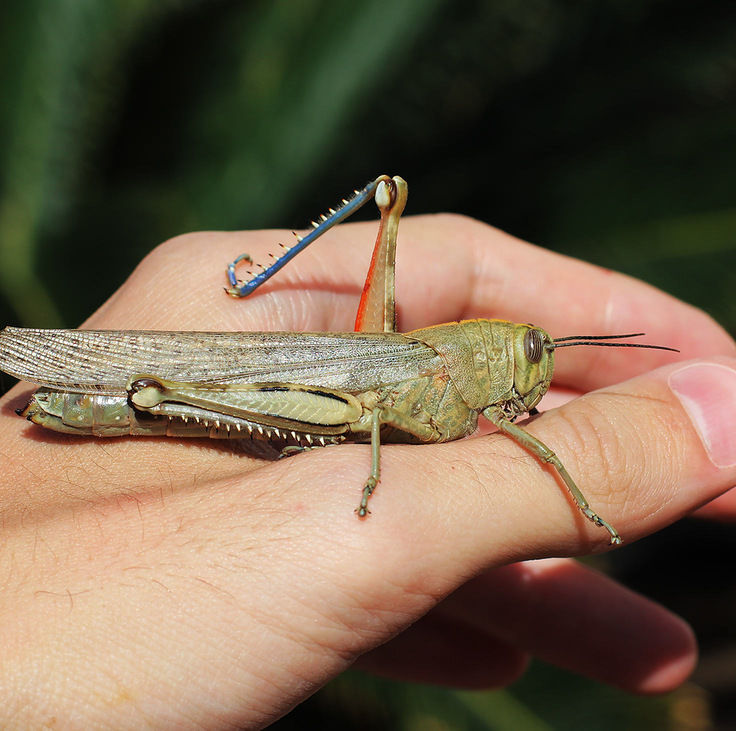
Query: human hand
<point x="179" y="583"/>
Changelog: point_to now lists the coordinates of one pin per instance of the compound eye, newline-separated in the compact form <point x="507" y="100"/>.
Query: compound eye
<point x="533" y="345"/>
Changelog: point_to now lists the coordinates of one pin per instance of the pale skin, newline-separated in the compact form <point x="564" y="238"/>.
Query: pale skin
<point x="178" y="584"/>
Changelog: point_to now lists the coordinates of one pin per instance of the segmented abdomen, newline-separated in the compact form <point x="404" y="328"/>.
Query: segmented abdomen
<point x="110" y="416"/>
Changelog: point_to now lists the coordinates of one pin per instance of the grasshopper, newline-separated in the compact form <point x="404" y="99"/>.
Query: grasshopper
<point x="301" y="390"/>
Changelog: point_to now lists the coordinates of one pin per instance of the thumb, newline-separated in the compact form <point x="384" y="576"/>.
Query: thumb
<point x="644" y="453"/>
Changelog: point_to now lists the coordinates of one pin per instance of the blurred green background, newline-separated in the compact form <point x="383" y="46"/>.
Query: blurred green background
<point x="606" y="130"/>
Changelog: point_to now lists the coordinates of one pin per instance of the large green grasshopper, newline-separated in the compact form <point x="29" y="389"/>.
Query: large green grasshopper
<point x="300" y="389"/>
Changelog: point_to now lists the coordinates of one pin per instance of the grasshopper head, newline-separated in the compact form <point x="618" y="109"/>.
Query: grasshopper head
<point x="533" y="364"/>
<point x="534" y="357"/>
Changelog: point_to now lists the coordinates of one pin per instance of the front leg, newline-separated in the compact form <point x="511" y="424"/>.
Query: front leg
<point x="544" y="453"/>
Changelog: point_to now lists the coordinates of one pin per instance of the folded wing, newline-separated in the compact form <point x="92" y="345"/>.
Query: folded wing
<point x="104" y="360"/>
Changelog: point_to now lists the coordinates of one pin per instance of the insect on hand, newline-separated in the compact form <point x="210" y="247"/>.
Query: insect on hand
<point x="300" y="390"/>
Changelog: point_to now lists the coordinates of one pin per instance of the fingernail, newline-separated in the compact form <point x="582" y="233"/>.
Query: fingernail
<point x="707" y="392"/>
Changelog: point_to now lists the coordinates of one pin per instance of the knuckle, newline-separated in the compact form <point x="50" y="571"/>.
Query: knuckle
<point x="458" y="224"/>
<point x="175" y="247"/>
<point x="453" y="220"/>
<point x="183" y="257"/>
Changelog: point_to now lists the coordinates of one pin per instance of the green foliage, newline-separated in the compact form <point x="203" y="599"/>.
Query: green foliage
<point x="545" y="699"/>
<point x="586" y="127"/>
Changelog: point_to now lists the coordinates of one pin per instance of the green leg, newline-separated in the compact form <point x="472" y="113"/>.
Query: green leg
<point x="375" y="474"/>
<point x="544" y="453"/>
<point x="393" y="418"/>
